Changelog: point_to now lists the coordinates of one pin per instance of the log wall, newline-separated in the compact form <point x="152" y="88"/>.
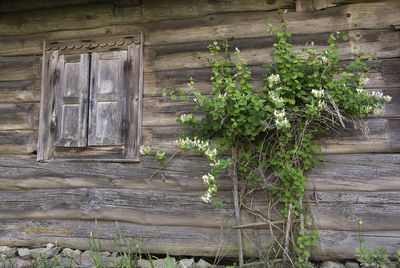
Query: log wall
<point x="59" y="200"/>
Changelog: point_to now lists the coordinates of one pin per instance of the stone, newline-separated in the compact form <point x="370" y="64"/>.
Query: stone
<point x="161" y="263"/>
<point x="50" y="245"/>
<point x="21" y="263"/>
<point x="73" y="255"/>
<point x="115" y="255"/>
<point x="331" y="264"/>
<point x="106" y="254"/>
<point x="45" y="252"/>
<point x="351" y="264"/>
<point x="203" y="264"/>
<point x="8" y="252"/>
<point x="24" y="253"/>
<point x="186" y="263"/>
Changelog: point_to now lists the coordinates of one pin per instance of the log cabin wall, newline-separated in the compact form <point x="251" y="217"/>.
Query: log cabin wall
<point x="59" y="200"/>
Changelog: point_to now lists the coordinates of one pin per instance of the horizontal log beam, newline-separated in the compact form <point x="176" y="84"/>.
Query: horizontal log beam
<point x="342" y="210"/>
<point x="191" y="241"/>
<point x="210" y="27"/>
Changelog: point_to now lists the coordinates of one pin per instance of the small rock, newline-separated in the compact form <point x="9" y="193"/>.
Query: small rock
<point x="331" y="264"/>
<point x="74" y="255"/>
<point x="50" y="245"/>
<point x="7" y="251"/>
<point x="20" y="263"/>
<point x="86" y="259"/>
<point x="203" y="264"/>
<point x="186" y="263"/>
<point x="161" y="263"/>
<point x="115" y="254"/>
<point x="351" y="264"/>
<point x="45" y="252"/>
<point x="24" y="253"/>
<point x="106" y="254"/>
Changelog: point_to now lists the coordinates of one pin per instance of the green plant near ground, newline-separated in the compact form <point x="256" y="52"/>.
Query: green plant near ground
<point x="272" y="128"/>
<point x="373" y="257"/>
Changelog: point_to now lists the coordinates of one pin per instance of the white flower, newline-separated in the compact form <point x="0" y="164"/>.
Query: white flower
<point x="144" y="150"/>
<point x="273" y="79"/>
<point x="368" y="108"/>
<point x="208" y="179"/>
<point x="387" y="98"/>
<point x="186" y="117"/>
<point x="196" y="100"/>
<point x="377" y="93"/>
<point x="359" y="90"/>
<point x="324" y="59"/>
<point x="321" y="103"/>
<point x="279" y="114"/>
<point x="221" y="96"/>
<point x="363" y="80"/>
<point x="275" y="98"/>
<point x="160" y="154"/>
<point x="282" y="122"/>
<point x="206" y="198"/>
<point x="318" y="93"/>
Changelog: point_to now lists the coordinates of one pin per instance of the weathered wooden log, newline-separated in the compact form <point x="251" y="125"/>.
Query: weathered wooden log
<point x="363" y="172"/>
<point x="175" y="240"/>
<point x="359" y="172"/>
<point x="20" y="91"/>
<point x="338" y="245"/>
<point x="256" y="50"/>
<point x="20" y="142"/>
<point x="19" y="68"/>
<point x="211" y="27"/>
<point x="342" y="210"/>
<point x="19" y="116"/>
<point x="101" y="14"/>
<point x="181" y="174"/>
<point x="383" y="74"/>
<point x="145" y="207"/>
<point x="383" y="137"/>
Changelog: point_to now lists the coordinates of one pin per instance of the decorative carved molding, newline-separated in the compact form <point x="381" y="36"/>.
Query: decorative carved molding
<point x="112" y="43"/>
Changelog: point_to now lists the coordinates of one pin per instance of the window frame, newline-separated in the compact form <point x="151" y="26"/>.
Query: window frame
<point x="134" y="94"/>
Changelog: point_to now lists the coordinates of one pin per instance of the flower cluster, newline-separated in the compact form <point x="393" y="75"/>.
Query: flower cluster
<point x="208" y="179"/>
<point x="276" y="99"/>
<point x="185" y="117"/>
<point x="198" y="100"/>
<point x="273" y="79"/>
<point x="144" y="150"/>
<point x="318" y="93"/>
<point x="280" y="119"/>
<point x="221" y="96"/>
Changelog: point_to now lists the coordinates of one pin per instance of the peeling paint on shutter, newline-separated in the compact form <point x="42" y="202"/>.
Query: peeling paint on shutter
<point x="71" y="107"/>
<point x="107" y="98"/>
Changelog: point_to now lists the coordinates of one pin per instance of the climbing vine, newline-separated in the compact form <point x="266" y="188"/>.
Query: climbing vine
<point x="267" y="133"/>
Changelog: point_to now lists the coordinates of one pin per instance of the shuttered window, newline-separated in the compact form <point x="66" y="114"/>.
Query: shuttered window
<point x="90" y="105"/>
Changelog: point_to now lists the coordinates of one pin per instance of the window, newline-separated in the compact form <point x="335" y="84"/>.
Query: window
<point x="90" y="100"/>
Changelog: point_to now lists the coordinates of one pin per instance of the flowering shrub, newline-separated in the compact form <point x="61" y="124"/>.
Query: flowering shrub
<point x="272" y="127"/>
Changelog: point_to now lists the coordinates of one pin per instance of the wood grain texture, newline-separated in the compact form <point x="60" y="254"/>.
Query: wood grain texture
<point x="358" y="172"/>
<point x="19" y="116"/>
<point x="364" y="172"/>
<point x="19" y="68"/>
<point x="384" y="74"/>
<point x="210" y="27"/>
<point x="385" y="43"/>
<point x="46" y="119"/>
<point x="145" y="207"/>
<point x="158" y="240"/>
<point x="337" y="245"/>
<point x="24" y="173"/>
<point x="20" y="142"/>
<point x="341" y="210"/>
<point x="20" y="91"/>
<point x="102" y="14"/>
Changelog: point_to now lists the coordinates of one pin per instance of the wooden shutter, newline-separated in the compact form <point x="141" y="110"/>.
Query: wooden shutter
<point x="107" y="98"/>
<point x="71" y="109"/>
